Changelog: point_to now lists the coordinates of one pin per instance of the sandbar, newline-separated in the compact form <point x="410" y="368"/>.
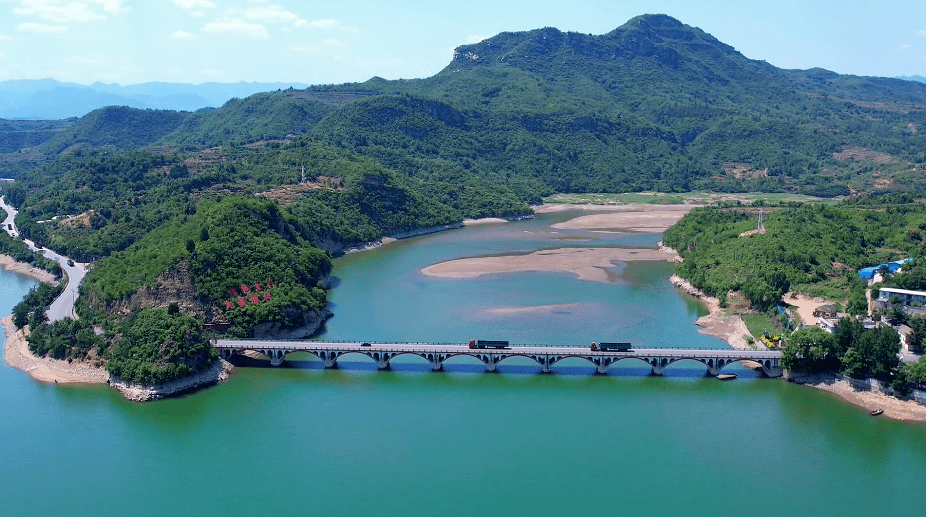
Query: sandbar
<point x="535" y="308"/>
<point x="586" y="263"/>
<point x="620" y="218"/>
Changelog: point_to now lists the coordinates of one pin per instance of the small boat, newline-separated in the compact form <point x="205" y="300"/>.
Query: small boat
<point x="727" y="376"/>
<point x="876" y="412"/>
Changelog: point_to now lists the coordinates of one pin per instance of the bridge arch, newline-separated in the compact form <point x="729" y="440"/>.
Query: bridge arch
<point x="559" y="359"/>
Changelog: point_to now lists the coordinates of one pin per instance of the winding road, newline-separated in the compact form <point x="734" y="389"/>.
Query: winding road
<point x="63" y="306"/>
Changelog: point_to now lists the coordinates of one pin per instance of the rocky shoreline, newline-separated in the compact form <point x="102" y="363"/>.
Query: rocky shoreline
<point x="869" y="400"/>
<point x="218" y="372"/>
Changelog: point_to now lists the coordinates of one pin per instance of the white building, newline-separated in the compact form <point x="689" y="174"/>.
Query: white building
<point x="906" y="296"/>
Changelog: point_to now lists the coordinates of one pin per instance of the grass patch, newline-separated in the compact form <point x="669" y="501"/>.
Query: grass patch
<point x="759" y="323"/>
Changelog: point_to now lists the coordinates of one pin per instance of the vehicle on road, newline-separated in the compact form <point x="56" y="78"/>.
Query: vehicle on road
<point x="605" y="346"/>
<point x="487" y="343"/>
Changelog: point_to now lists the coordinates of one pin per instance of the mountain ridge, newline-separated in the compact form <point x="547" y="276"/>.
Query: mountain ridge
<point x="49" y="99"/>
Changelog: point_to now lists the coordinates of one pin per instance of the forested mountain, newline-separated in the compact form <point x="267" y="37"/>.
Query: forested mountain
<point x="50" y="99"/>
<point x="654" y="104"/>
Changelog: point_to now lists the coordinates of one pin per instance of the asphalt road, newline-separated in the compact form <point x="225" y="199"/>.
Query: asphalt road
<point x="63" y="306"/>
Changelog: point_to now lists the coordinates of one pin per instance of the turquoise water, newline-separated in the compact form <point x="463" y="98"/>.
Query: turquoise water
<point x="302" y="440"/>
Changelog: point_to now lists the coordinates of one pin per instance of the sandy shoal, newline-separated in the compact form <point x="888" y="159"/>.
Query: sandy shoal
<point x="8" y="264"/>
<point x="535" y="308"/>
<point x="17" y="355"/>
<point x="586" y="263"/>
<point x="627" y="218"/>
<point x="895" y="408"/>
<point x="484" y="220"/>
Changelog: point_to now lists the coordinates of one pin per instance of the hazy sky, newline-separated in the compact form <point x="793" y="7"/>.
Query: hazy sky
<point x="194" y="41"/>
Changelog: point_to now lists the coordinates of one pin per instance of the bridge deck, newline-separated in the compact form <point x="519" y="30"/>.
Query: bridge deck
<point x="418" y="348"/>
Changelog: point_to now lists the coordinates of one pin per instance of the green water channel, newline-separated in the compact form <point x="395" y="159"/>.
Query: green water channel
<point x="302" y="440"/>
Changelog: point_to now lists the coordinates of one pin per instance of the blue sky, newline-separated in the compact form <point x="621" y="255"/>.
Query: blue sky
<point x="195" y="41"/>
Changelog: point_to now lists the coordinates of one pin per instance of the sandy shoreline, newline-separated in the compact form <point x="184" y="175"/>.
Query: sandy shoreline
<point x="8" y="264"/>
<point x="16" y="354"/>
<point x="730" y="328"/>
<point x="894" y="408"/>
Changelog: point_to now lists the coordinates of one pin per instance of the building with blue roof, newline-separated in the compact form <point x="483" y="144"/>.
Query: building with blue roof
<point x="868" y="273"/>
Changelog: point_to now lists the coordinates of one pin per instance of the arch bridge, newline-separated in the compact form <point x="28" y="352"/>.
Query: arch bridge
<point x="715" y="360"/>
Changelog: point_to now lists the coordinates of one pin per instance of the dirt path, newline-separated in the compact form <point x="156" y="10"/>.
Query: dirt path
<point x="805" y="306"/>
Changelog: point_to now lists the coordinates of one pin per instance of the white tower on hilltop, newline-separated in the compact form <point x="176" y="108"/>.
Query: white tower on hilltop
<point x="303" y="174"/>
<point x="761" y="226"/>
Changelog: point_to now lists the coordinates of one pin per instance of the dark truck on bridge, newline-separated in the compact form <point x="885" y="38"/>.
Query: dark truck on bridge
<point x="605" y="346"/>
<point x="487" y="343"/>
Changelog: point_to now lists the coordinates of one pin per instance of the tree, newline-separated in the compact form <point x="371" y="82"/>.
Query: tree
<point x="917" y="337"/>
<point x="190" y="246"/>
<point x="846" y="332"/>
<point x="873" y="354"/>
<point x="810" y="350"/>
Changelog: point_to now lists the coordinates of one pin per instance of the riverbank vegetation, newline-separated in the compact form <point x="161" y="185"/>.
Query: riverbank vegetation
<point x="18" y="251"/>
<point x="812" y="248"/>
<point x="856" y="353"/>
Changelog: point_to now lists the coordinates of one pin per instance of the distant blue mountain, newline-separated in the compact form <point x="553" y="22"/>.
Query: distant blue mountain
<point x="917" y="78"/>
<point x="48" y="99"/>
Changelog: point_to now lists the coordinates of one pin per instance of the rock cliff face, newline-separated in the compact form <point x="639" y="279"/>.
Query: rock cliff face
<point x="176" y="286"/>
<point x="173" y="286"/>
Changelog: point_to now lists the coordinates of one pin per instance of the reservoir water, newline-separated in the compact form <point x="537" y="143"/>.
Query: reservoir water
<point x="302" y="440"/>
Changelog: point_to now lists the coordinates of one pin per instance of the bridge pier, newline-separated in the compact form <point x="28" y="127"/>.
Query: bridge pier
<point x="602" y="364"/>
<point x="329" y="358"/>
<point x="382" y="360"/>
<point x="491" y="361"/>
<point x="658" y="365"/>
<point x="546" y="364"/>
<point x="276" y="356"/>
